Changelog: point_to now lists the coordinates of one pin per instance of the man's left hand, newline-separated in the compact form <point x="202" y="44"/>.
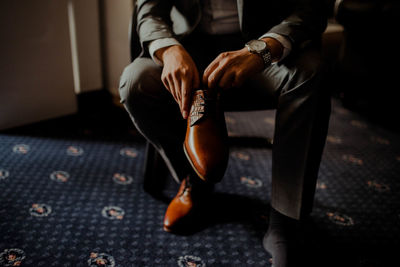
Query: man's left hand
<point x="231" y="69"/>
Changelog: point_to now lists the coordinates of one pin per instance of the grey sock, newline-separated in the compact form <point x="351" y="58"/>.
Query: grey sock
<point x="280" y="238"/>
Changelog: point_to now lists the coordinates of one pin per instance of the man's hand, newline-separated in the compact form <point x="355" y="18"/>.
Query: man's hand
<point x="179" y="75"/>
<point x="231" y="69"/>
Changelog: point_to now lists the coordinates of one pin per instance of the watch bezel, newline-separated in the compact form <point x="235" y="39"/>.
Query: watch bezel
<point x="264" y="52"/>
<point x="252" y="46"/>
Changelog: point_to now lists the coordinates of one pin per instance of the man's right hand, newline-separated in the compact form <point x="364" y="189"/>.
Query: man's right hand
<point x="179" y="75"/>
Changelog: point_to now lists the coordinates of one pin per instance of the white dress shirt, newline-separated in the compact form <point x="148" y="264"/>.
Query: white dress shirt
<point x="218" y="17"/>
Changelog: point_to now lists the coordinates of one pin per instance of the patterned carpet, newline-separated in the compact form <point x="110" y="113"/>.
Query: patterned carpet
<point x="71" y="195"/>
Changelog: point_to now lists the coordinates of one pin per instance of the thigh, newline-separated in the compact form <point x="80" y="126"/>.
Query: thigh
<point x="264" y="90"/>
<point x="141" y="81"/>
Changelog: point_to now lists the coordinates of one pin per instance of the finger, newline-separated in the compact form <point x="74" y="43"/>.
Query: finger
<point x="177" y="89"/>
<point x="165" y="82"/>
<point x="207" y="72"/>
<point x="170" y="86"/>
<point x="186" y="93"/>
<point x="215" y="76"/>
<point x="227" y="80"/>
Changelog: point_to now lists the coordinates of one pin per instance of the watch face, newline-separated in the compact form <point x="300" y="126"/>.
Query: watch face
<point x="257" y="45"/>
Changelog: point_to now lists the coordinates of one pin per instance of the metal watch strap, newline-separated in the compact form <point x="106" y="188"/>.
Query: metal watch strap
<point x="266" y="57"/>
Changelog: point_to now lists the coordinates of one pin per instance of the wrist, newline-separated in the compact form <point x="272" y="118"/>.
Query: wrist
<point x="275" y="47"/>
<point x="254" y="58"/>
<point x="261" y="49"/>
<point x="161" y="53"/>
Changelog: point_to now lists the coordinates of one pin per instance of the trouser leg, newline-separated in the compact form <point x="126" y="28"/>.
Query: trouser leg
<point x="294" y="87"/>
<point x="302" y="118"/>
<point x="300" y="131"/>
<point x="155" y="113"/>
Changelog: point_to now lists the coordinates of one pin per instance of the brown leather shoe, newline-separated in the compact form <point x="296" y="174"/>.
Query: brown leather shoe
<point x="206" y="138"/>
<point x="180" y="207"/>
<point x="191" y="197"/>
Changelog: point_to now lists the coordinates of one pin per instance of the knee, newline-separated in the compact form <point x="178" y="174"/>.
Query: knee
<point x="139" y="79"/>
<point x="308" y="68"/>
<point x="306" y="76"/>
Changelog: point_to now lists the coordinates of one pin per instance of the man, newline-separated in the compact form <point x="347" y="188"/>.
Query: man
<point x="258" y="54"/>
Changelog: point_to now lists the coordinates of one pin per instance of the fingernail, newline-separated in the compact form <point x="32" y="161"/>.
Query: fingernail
<point x="185" y="115"/>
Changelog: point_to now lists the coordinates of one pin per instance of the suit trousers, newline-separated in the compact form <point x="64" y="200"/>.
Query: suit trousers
<point x="294" y="87"/>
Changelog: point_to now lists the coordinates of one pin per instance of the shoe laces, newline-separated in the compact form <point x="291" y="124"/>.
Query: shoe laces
<point x="207" y="103"/>
<point x="187" y="187"/>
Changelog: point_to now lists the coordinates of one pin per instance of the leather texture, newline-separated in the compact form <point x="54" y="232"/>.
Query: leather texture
<point x="205" y="143"/>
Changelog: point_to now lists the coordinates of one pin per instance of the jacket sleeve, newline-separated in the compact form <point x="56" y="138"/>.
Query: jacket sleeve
<point x="307" y="21"/>
<point x="153" y="20"/>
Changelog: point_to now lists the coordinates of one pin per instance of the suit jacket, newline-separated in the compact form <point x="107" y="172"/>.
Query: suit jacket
<point x="297" y="20"/>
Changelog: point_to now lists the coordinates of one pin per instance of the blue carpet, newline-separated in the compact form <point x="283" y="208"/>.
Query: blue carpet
<point x="71" y="195"/>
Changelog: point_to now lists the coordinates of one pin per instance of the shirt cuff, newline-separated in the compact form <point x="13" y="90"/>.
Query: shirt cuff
<point x="158" y="44"/>
<point x="287" y="45"/>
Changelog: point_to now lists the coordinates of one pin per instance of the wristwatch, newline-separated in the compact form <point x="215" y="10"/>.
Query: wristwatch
<point x="260" y="48"/>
